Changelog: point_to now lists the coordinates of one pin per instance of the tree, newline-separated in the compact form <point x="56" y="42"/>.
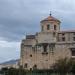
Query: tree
<point x="63" y="65"/>
<point x="73" y="68"/>
<point x="4" y="70"/>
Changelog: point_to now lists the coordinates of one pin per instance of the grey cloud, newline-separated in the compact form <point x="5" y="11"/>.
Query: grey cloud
<point x="21" y="17"/>
<point x="18" y="17"/>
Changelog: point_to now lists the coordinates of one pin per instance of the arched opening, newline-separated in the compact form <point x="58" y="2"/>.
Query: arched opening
<point x="48" y="27"/>
<point x="25" y="65"/>
<point x="55" y="27"/>
<point x="35" y="67"/>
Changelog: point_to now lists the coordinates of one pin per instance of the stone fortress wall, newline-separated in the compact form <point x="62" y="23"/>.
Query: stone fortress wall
<point x="44" y="48"/>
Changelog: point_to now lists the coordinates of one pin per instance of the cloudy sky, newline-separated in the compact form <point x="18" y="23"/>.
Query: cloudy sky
<point x="21" y="17"/>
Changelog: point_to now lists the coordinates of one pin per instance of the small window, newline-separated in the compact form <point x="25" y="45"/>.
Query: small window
<point x="63" y="39"/>
<point x="63" y="34"/>
<point x="73" y="33"/>
<point x="73" y="38"/>
<point x="30" y="55"/>
<point x="73" y="51"/>
<point x="54" y="27"/>
<point x="35" y="66"/>
<point x="25" y="66"/>
<point x="52" y="50"/>
<point x="48" y="27"/>
<point x="30" y="69"/>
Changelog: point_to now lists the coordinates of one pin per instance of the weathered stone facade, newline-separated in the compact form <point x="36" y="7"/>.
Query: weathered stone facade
<point x="44" y="48"/>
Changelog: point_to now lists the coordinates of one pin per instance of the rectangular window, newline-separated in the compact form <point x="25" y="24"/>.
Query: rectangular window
<point x="54" y="27"/>
<point x="52" y="50"/>
<point x="73" y="51"/>
<point x="25" y="66"/>
<point x="63" y="39"/>
<point x="63" y="34"/>
<point x="73" y="38"/>
<point x="73" y="33"/>
<point x="48" y="27"/>
<point x="51" y="47"/>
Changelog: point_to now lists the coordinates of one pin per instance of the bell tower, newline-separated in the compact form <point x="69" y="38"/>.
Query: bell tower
<point x="50" y="24"/>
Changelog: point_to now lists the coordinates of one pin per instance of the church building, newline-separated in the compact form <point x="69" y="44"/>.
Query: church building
<point x="40" y="51"/>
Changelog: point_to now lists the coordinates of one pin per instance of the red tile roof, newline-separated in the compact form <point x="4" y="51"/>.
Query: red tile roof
<point x="50" y="18"/>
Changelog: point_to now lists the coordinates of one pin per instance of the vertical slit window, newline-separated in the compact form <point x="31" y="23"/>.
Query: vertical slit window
<point x="25" y="66"/>
<point x="54" y="27"/>
<point x="63" y="39"/>
<point x="48" y="27"/>
<point x="73" y="38"/>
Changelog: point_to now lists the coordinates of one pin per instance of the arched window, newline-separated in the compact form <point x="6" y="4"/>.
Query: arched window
<point x="35" y="66"/>
<point x="48" y="27"/>
<point x="55" y="27"/>
<point x="25" y="65"/>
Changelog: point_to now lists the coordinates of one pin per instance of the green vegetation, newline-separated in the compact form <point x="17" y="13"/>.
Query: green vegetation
<point x="61" y="67"/>
<point x="65" y="66"/>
